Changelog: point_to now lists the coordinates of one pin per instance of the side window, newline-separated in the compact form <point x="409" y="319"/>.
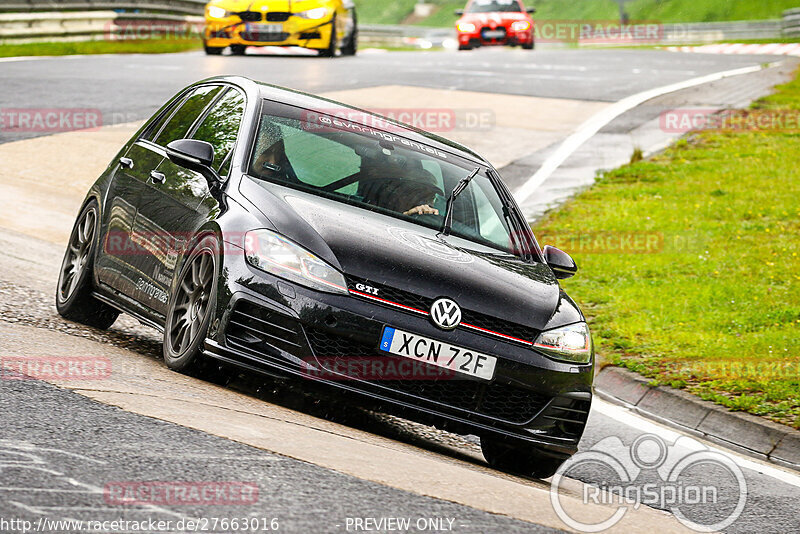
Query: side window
<point x="221" y="126"/>
<point x="178" y="125"/>
<point x="154" y="128"/>
<point x="316" y="160"/>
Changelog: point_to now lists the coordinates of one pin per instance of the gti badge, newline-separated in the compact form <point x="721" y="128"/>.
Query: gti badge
<point x="446" y="314"/>
<point x="367" y="289"/>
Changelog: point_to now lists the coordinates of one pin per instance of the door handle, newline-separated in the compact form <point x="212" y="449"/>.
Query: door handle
<point x="158" y="177"/>
<point x="126" y="162"/>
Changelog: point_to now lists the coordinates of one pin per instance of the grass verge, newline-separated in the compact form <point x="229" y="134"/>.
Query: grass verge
<point x="144" y="46"/>
<point x="705" y="295"/>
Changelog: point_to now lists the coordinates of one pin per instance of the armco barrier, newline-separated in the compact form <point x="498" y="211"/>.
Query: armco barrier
<point x="791" y="23"/>
<point x="25" y="21"/>
<point x="186" y="7"/>
<point x="79" y="25"/>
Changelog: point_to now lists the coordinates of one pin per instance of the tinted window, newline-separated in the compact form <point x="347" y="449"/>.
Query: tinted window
<point x="154" y="128"/>
<point x="178" y="125"/>
<point x="221" y="126"/>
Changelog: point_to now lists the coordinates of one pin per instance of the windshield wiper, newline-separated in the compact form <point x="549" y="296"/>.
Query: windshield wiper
<point x="457" y="190"/>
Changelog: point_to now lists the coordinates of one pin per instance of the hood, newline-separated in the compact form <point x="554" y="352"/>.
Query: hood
<point x="409" y="257"/>
<point x="493" y="19"/>
<point x="294" y="6"/>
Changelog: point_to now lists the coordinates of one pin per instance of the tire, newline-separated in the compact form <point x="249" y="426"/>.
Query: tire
<point x="351" y="48"/>
<point x="214" y="50"/>
<point x="519" y="458"/>
<point x="464" y="47"/>
<point x="74" y="300"/>
<point x="191" y="306"/>
<point x="332" y="45"/>
<point x="528" y="46"/>
<point x="238" y="50"/>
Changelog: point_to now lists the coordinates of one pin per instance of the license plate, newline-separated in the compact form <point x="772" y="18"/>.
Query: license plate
<point x="494" y="34"/>
<point x="438" y="353"/>
<point x="255" y="27"/>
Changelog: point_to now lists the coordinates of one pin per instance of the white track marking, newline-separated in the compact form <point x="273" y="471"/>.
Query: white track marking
<point x="589" y="128"/>
<point x="633" y="420"/>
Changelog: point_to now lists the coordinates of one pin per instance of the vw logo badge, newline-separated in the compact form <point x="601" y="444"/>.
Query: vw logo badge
<point x="446" y="314"/>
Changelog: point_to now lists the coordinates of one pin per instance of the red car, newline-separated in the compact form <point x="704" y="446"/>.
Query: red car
<point x="495" y="22"/>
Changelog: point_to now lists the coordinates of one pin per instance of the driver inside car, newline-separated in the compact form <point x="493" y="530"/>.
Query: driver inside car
<point x="273" y="163"/>
<point x="412" y="194"/>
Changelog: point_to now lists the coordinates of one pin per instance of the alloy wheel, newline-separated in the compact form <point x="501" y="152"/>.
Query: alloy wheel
<point x="77" y="256"/>
<point x="192" y="299"/>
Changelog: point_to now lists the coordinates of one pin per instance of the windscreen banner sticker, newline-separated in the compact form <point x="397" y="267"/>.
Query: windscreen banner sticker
<point x="317" y="121"/>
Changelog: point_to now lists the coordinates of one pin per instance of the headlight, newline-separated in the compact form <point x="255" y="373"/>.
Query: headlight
<point x="467" y="27"/>
<point x="216" y="12"/>
<point x="314" y="14"/>
<point x="572" y="343"/>
<point x="275" y="254"/>
<point x="520" y="26"/>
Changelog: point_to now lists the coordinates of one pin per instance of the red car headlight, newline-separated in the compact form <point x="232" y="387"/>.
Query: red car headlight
<point x="466" y="27"/>
<point x="520" y="26"/>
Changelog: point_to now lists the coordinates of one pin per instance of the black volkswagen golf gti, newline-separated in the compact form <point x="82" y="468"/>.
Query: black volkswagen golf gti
<point x="289" y="234"/>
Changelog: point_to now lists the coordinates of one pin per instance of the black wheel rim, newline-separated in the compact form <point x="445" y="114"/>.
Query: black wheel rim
<point x="191" y="302"/>
<point x="77" y="256"/>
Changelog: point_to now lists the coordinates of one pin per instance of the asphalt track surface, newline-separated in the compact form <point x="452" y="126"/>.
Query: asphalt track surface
<point x="128" y="88"/>
<point x="74" y="445"/>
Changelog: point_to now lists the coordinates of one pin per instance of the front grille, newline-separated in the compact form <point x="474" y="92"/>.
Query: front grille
<point x="501" y="33"/>
<point x="326" y="345"/>
<point x="565" y="417"/>
<point x="256" y="329"/>
<point x="264" y="37"/>
<point x="498" y="401"/>
<point x="278" y="16"/>
<point x="249" y="16"/>
<point x="474" y="318"/>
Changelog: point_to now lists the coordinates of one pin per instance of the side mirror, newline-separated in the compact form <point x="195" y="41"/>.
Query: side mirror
<point x="459" y="12"/>
<point x="196" y="156"/>
<point x="562" y="263"/>
<point x="531" y="10"/>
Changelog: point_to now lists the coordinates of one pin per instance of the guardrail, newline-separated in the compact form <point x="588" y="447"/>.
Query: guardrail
<point x="187" y="7"/>
<point x="791" y="23"/>
<point x="707" y="32"/>
<point x="94" y="25"/>
<point x="87" y="20"/>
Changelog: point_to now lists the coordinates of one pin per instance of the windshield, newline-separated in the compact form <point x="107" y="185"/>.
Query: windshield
<point x="494" y="6"/>
<point x="377" y="170"/>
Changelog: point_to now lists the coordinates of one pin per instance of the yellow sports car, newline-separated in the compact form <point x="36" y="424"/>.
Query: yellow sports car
<point x="322" y="25"/>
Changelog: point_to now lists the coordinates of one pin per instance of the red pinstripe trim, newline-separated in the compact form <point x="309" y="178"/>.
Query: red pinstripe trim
<point x="512" y="338"/>
<point x="389" y="302"/>
<point x="422" y="312"/>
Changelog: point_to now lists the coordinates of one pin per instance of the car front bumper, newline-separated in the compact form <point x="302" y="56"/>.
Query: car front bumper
<point x="511" y="38"/>
<point x="271" y="326"/>
<point x="295" y="31"/>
